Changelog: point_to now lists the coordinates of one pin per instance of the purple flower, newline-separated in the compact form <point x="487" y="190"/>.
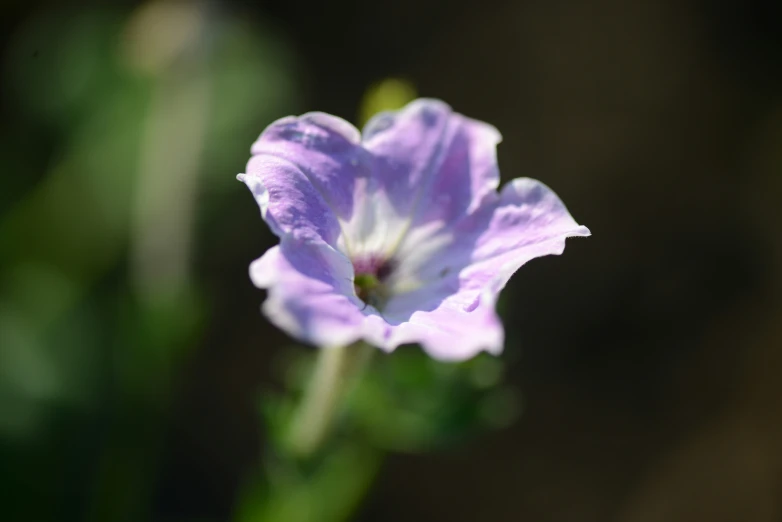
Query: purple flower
<point x="397" y="235"/>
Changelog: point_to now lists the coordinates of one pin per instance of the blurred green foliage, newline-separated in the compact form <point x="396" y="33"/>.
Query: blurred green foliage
<point x="401" y="402"/>
<point x="329" y="489"/>
<point x="406" y="401"/>
<point x="144" y="113"/>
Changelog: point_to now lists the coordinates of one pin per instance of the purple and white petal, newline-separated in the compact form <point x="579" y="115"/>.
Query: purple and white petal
<point x="310" y="292"/>
<point x="325" y="148"/>
<point x="303" y="174"/>
<point x="434" y="164"/>
<point x="289" y="203"/>
<point x="458" y="280"/>
<point x="434" y="316"/>
<point x="448" y="333"/>
<point x="429" y="168"/>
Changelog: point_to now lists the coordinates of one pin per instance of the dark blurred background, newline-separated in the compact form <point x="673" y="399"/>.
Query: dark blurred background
<point x="648" y="357"/>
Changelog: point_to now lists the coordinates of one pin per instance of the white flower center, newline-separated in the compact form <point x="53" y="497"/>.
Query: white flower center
<point x="390" y="254"/>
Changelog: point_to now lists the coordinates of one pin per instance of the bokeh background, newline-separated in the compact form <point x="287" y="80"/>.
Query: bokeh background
<point x="646" y="361"/>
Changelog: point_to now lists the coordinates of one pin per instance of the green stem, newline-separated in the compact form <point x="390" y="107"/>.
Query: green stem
<point x="333" y="376"/>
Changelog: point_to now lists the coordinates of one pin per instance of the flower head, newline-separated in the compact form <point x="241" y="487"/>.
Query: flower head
<point x="398" y="234"/>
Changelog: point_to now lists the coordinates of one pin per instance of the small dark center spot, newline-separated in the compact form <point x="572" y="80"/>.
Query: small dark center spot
<point x="383" y="271"/>
<point x="369" y="280"/>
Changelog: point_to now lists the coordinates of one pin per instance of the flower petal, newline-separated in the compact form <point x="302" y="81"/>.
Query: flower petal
<point x="310" y="292"/>
<point x="434" y="164"/>
<point x="303" y="174"/>
<point x="451" y="287"/>
<point x="289" y="203"/>
<point x="441" y="325"/>
<point x="528" y="221"/>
